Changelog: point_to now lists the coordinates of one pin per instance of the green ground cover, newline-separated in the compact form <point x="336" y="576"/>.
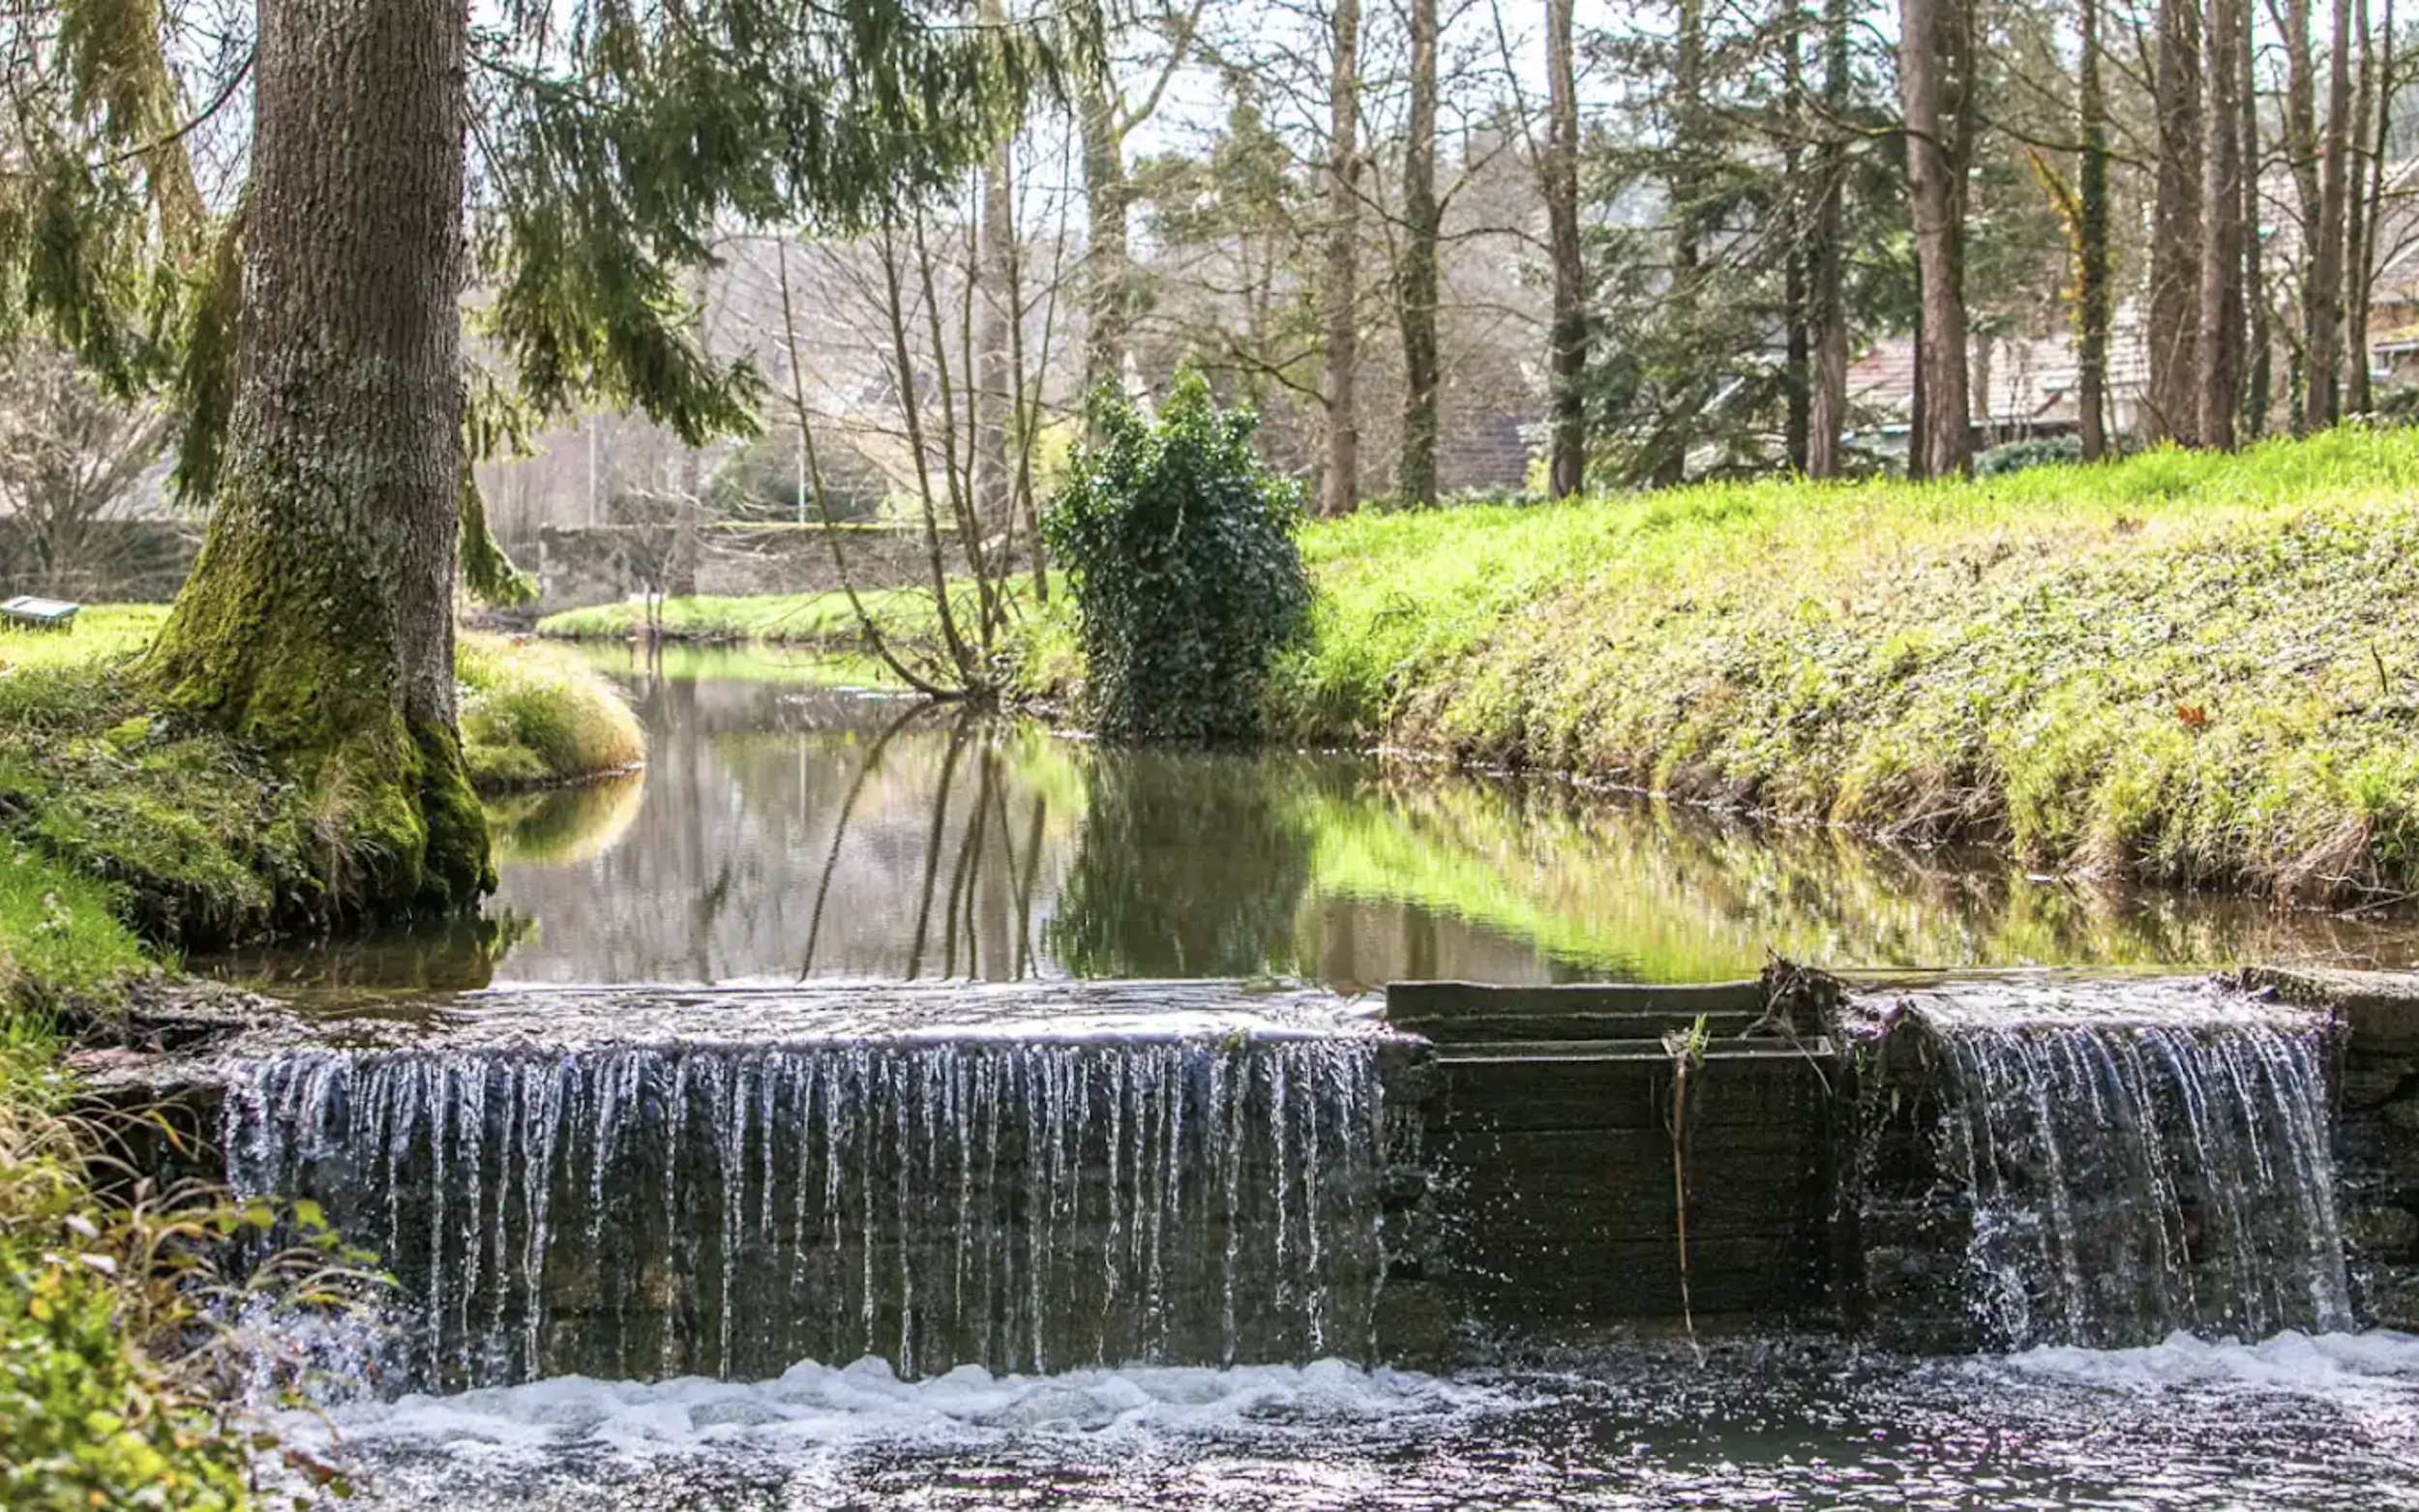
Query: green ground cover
<point x="801" y="619"/>
<point x="189" y="837"/>
<point x="536" y="715"/>
<point x="2184" y="666"/>
<point x="123" y="839"/>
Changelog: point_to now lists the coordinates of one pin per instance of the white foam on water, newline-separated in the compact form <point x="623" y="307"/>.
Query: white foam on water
<point x="2311" y="1364"/>
<point x="814" y="1406"/>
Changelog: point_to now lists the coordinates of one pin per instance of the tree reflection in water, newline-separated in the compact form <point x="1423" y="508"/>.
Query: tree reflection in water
<point x="784" y="828"/>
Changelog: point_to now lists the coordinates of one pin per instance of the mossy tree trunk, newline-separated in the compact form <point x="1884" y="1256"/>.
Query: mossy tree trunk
<point x="319" y="621"/>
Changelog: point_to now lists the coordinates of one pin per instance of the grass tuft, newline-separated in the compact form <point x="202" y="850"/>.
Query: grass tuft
<point x="534" y="716"/>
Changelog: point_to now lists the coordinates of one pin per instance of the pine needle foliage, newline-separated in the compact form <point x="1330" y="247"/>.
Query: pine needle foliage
<point x="610" y="143"/>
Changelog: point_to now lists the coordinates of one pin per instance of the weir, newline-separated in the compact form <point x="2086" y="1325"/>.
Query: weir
<point x="2101" y="1164"/>
<point x="644" y="1184"/>
<point x="937" y="1196"/>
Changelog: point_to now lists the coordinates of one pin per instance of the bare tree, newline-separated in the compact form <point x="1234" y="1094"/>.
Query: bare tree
<point x="2377" y="90"/>
<point x="1568" y="467"/>
<point x="1416" y="277"/>
<point x="1932" y="43"/>
<point x="2322" y="293"/>
<point x="1827" y="294"/>
<point x="70" y="458"/>
<point x="1106" y="119"/>
<point x="1339" y="301"/>
<point x="2221" y="303"/>
<point x="2172" y="405"/>
<point x="2093" y="295"/>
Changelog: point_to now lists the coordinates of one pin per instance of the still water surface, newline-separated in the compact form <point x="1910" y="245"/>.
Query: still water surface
<point x="785" y="829"/>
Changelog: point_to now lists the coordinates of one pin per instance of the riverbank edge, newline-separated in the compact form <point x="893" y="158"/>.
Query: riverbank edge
<point x="2179" y="669"/>
<point x="194" y="841"/>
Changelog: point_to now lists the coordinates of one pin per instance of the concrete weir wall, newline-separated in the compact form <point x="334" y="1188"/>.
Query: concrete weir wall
<point x="1560" y="1129"/>
<point x="1548" y="1162"/>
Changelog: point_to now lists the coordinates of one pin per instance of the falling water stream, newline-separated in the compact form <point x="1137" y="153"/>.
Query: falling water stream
<point x="2141" y="1158"/>
<point x="728" y="1208"/>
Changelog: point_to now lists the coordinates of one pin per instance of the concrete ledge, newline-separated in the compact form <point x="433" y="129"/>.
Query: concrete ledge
<point x="2380" y="1008"/>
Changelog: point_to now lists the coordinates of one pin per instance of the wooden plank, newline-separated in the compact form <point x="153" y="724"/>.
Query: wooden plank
<point x="1752" y="1181"/>
<point x="1509" y="1095"/>
<point x="1466" y="1011"/>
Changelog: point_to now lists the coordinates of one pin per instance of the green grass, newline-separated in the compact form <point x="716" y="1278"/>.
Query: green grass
<point x="2188" y="666"/>
<point x="783" y="619"/>
<point x="62" y="943"/>
<point x="2184" y="666"/>
<point x="815" y="621"/>
<point x="535" y="714"/>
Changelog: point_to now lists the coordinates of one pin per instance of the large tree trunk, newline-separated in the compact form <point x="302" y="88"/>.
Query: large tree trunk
<point x="1415" y="474"/>
<point x="2093" y="299"/>
<point x="1340" y="298"/>
<point x="1566" y="452"/>
<point x="2221" y="303"/>
<point x="2322" y="397"/>
<point x="2260" y="359"/>
<point x="2170" y="406"/>
<point x="318" y="623"/>
<point x="1828" y="408"/>
<point x="1945" y="438"/>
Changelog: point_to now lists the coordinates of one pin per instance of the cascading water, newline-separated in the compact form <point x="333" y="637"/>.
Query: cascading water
<point x="728" y="1209"/>
<point x="2140" y="1159"/>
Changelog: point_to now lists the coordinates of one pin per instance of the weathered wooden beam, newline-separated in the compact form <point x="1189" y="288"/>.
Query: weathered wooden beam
<point x="1451" y="1013"/>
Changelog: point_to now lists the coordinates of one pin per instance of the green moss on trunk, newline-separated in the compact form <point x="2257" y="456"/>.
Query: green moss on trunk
<point x="294" y="653"/>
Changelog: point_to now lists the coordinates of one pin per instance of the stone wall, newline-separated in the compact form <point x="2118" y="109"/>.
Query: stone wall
<point x="2377" y="1137"/>
<point x="578" y="566"/>
<point x="107" y="561"/>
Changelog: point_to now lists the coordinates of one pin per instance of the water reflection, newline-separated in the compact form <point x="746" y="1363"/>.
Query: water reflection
<point x="783" y="829"/>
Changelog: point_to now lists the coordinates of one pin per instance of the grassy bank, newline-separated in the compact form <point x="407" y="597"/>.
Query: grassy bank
<point x="821" y="624"/>
<point x="535" y="716"/>
<point x="117" y="829"/>
<point x="2196" y="667"/>
<point x="192" y="839"/>
<point x="820" y="620"/>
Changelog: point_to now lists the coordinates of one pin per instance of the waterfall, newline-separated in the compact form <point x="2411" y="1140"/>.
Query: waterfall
<point x="2140" y="1159"/>
<point x="651" y="1211"/>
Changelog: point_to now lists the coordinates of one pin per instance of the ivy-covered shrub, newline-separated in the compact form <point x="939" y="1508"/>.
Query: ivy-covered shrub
<point x="1180" y="546"/>
<point x="2060" y="451"/>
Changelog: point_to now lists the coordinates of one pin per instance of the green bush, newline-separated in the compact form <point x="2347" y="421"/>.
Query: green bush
<point x="2057" y="450"/>
<point x="1179" y="544"/>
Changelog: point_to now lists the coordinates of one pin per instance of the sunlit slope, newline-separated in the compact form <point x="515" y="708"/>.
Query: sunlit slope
<point x="2194" y="667"/>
